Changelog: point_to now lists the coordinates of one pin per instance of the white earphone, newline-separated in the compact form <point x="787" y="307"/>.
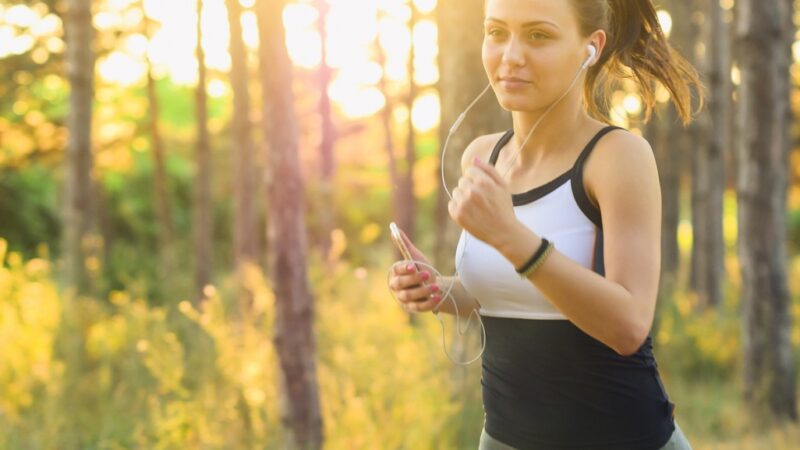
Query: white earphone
<point x="592" y="53"/>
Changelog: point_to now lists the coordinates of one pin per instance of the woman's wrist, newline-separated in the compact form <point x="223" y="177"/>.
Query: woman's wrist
<point x="519" y="244"/>
<point x="459" y="296"/>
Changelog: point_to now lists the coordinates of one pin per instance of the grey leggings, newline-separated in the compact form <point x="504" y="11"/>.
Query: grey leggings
<point x="676" y="442"/>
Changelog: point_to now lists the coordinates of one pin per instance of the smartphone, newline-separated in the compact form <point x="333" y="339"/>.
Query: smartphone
<point x="399" y="243"/>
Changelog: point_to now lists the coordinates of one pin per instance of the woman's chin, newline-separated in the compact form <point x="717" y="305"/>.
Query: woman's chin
<point x="515" y="103"/>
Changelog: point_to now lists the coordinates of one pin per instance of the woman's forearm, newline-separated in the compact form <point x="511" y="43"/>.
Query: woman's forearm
<point x="601" y="308"/>
<point x="466" y="303"/>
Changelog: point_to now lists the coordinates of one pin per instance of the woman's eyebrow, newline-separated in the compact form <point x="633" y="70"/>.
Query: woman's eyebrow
<point x="526" y="24"/>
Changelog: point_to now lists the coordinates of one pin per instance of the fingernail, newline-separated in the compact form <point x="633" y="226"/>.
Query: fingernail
<point x="410" y="267"/>
<point x="425" y="275"/>
<point x="434" y="288"/>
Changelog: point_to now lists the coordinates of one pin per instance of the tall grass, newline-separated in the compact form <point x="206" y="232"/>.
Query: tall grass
<point x="119" y="373"/>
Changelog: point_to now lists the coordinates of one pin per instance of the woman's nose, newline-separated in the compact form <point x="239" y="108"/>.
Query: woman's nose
<point x="512" y="53"/>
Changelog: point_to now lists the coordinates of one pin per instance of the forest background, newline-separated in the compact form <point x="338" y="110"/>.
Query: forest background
<point x="194" y="231"/>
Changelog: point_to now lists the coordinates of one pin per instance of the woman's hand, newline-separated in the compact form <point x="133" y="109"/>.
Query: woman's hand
<point x="408" y="283"/>
<point x="482" y="204"/>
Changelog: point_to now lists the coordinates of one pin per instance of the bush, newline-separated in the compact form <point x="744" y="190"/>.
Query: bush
<point x="119" y="373"/>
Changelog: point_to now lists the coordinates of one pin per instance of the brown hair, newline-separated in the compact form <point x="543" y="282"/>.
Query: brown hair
<point x="636" y="49"/>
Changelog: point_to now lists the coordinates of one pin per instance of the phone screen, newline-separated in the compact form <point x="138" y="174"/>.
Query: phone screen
<point x="398" y="241"/>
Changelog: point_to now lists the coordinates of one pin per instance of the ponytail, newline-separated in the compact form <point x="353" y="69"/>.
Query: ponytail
<point x="636" y="49"/>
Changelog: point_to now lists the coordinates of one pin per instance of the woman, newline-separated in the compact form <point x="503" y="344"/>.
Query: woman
<point x="565" y="274"/>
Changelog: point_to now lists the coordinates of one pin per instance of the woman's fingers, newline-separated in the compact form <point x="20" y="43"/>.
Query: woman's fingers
<point x="399" y="268"/>
<point x="426" y="305"/>
<point x="403" y="267"/>
<point x="490" y="170"/>
<point x="415" y="252"/>
<point x="408" y="273"/>
<point x="409" y="288"/>
<point x="404" y="282"/>
<point x="423" y="305"/>
<point x="414" y="294"/>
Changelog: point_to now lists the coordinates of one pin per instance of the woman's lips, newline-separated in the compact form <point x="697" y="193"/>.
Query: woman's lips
<point x="513" y="83"/>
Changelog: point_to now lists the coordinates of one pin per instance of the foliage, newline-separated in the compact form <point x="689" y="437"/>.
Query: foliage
<point x="700" y="356"/>
<point x="793" y="232"/>
<point x="94" y="374"/>
<point x="28" y="208"/>
<point x="29" y="319"/>
<point x="700" y="343"/>
<point x="120" y="373"/>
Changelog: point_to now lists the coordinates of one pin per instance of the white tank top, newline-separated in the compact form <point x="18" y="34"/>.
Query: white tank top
<point x="559" y="211"/>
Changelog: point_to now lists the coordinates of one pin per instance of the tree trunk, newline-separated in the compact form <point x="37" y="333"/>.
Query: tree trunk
<point x="661" y="134"/>
<point x="388" y="142"/>
<point x="462" y="78"/>
<point x="764" y="35"/>
<point x="672" y="144"/>
<point x="294" y="338"/>
<point x="245" y="235"/>
<point x="326" y="213"/>
<point x="694" y="138"/>
<point x="78" y="211"/>
<point x="161" y="194"/>
<point x="708" y="171"/>
<point x="719" y="146"/>
<point x="203" y="226"/>
<point x="407" y="203"/>
<point x="79" y="223"/>
<point x="698" y="146"/>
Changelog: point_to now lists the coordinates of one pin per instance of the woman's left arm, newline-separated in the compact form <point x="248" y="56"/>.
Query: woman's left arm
<point x="617" y="309"/>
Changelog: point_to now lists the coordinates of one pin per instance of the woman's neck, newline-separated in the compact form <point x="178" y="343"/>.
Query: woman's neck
<point x="556" y="130"/>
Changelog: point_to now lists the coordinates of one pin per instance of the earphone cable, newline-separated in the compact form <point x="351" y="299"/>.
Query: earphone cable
<point x="455" y="276"/>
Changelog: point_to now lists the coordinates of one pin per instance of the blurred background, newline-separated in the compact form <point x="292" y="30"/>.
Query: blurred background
<point x="194" y="217"/>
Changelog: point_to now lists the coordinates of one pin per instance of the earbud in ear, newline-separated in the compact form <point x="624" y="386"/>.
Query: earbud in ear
<point x="592" y="53"/>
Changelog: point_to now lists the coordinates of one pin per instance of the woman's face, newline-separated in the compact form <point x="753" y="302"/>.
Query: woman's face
<point x="532" y="50"/>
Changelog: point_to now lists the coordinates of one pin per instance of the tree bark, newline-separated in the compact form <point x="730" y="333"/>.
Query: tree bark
<point x="294" y="338"/>
<point x="764" y="34"/>
<point x="78" y="211"/>
<point x="245" y="235"/>
<point x="407" y="202"/>
<point x="328" y="138"/>
<point x="708" y="170"/>
<point x="161" y="193"/>
<point x="662" y="131"/>
<point x="79" y="218"/>
<point x="462" y="78"/>
<point x="672" y="143"/>
<point x="203" y="226"/>
<point x="388" y="137"/>
<point x="698" y="144"/>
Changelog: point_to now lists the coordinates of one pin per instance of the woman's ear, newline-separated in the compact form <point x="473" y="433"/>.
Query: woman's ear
<point x="598" y="40"/>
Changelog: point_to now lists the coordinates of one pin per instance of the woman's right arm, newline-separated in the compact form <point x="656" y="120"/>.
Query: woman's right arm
<point x="466" y="303"/>
<point x="417" y="294"/>
<point x="411" y="289"/>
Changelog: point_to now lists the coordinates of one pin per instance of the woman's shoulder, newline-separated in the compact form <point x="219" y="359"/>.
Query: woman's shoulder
<point x="620" y="150"/>
<point x="480" y="147"/>
<point x="620" y="157"/>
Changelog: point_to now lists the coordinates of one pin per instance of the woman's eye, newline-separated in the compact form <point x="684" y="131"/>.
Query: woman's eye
<point x="534" y="35"/>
